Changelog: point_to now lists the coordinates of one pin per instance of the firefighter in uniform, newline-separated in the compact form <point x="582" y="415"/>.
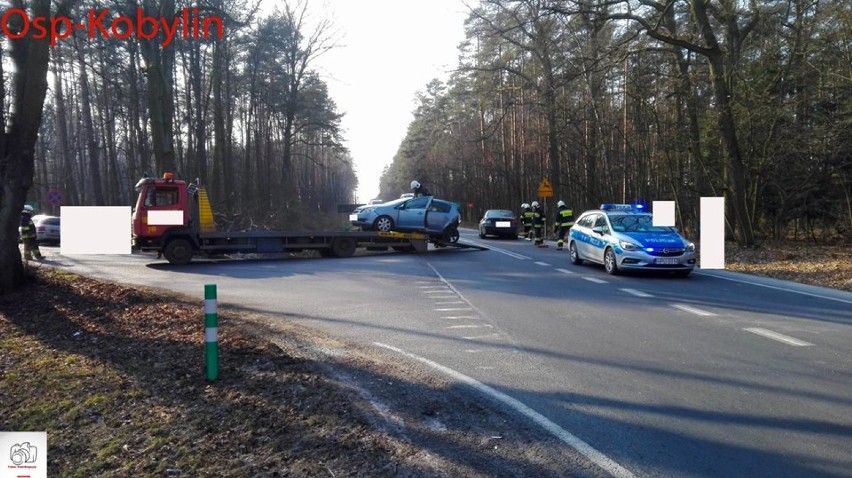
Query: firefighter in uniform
<point x="28" y="235"/>
<point x="419" y="190"/>
<point x="538" y="223"/>
<point x="526" y="218"/>
<point x="564" y="221"/>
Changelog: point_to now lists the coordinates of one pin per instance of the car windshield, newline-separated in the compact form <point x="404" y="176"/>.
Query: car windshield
<point x="52" y="221"/>
<point x="635" y="223"/>
<point x="499" y="213"/>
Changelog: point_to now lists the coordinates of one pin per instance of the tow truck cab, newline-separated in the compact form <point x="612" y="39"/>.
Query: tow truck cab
<point x="163" y="211"/>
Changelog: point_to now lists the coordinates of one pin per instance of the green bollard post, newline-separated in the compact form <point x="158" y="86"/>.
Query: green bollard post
<point x="211" y="333"/>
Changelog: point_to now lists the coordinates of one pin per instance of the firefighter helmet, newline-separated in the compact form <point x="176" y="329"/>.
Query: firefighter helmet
<point x="415" y="184"/>
<point x="27" y="209"/>
<point x="535" y="204"/>
<point x="524" y="206"/>
<point x="560" y="204"/>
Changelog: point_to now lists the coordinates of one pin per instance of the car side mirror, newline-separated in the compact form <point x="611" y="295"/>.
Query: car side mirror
<point x="599" y="230"/>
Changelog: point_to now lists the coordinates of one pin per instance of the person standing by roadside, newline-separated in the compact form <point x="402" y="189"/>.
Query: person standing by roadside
<point x="564" y="221"/>
<point x="538" y="223"/>
<point x="526" y="219"/>
<point x="28" y="235"/>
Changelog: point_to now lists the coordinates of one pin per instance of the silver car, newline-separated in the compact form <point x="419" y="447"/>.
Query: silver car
<point x="47" y="228"/>
<point x="621" y="238"/>
<point x="437" y="218"/>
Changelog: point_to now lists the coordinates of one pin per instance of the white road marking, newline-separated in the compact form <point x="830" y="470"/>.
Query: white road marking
<point x="598" y="458"/>
<point x="449" y="302"/>
<point x="452" y="309"/>
<point x="779" y="337"/>
<point x="777" y="288"/>
<point x="545" y="264"/>
<point x="460" y="317"/>
<point x="565" y="271"/>
<point x="469" y="326"/>
<point x="501" y="251"/>
<point x="480" y="337"/>
<point x="433" y="286"/>
<point x="442" y="291"/>
<point x="443" y="297"/>
<point x="692" y="310"/>
<point x="637" y="293"/>
<point x="596" y="280"/>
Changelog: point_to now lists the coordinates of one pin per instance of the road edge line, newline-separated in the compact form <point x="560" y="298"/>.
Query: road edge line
<point x="596" y="457"/>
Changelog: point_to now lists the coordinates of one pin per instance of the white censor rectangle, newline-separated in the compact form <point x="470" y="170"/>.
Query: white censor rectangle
<point x="664" y="214"/>
<point x="712" y="233"/>
<point x="165" y="218"/>
<point x="95" y="230"/>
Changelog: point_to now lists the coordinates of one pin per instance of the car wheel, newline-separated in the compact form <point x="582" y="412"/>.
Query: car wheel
<point x="451" y="235"/>
<point x="383" y="224"/>
<point x="481" y="234"/>
<point x="574" y="255"/>
<point x="610" y="262"/>
<point x="178" y="251"/>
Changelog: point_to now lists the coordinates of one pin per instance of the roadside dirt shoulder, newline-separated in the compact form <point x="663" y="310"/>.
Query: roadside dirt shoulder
<point x="115" y="375"/>
<point x="826" y="266"/>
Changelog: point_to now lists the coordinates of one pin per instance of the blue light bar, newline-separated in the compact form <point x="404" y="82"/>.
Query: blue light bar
<point x="616" y="207"/>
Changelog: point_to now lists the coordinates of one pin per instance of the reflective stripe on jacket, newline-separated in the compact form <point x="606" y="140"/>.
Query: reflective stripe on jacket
<point x="567" y="217"/>
<point x="27" y="229"/>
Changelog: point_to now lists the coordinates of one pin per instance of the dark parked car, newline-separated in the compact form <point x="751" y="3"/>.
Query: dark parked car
<point x="498" y="222"/>
<point x="437" y="218"/>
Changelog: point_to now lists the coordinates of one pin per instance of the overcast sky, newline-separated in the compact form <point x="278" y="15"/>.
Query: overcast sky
<point x="389" y="50"/>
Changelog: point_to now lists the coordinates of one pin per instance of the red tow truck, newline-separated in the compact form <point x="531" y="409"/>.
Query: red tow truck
<point x="175" y="218"/>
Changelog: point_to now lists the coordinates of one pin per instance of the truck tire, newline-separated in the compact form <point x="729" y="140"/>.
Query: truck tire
<point x="178" y="251"/>
<point x="344" y="246"/>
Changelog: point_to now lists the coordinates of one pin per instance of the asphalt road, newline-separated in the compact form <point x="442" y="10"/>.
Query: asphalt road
<point x="718" y="374"/>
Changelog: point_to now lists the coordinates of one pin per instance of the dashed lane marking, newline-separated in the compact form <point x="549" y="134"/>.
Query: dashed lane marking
<point x="786" y="339"/>
<point x="637" y="293"/>
<point x="596" y="280"/>
<point x="543" y="264"/>
<point x="483" y="337"/>
<point x="450" y="309"/>
<point x="470" y="326"/>
<point x="692" y="310"/>
<point x="565" y="271"/>
<point x="596" y="457"/>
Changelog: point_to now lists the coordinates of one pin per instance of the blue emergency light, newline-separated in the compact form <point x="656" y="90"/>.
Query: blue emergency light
<point x="623" y="207"/>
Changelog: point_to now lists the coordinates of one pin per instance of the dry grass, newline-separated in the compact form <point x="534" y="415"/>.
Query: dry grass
<point x="827" y="266"/>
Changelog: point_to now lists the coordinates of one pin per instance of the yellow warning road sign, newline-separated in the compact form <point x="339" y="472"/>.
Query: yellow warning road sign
<point x="545" y="189"/>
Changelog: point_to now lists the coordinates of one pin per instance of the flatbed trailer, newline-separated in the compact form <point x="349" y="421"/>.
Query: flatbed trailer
<point x="175" y="219"/>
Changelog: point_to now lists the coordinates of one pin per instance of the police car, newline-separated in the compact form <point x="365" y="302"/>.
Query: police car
<point x="623" y="237"/>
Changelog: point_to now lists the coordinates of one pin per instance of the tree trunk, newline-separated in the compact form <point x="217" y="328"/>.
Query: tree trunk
<point x="17" y="142"/>
<point x="727" y="123"/>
